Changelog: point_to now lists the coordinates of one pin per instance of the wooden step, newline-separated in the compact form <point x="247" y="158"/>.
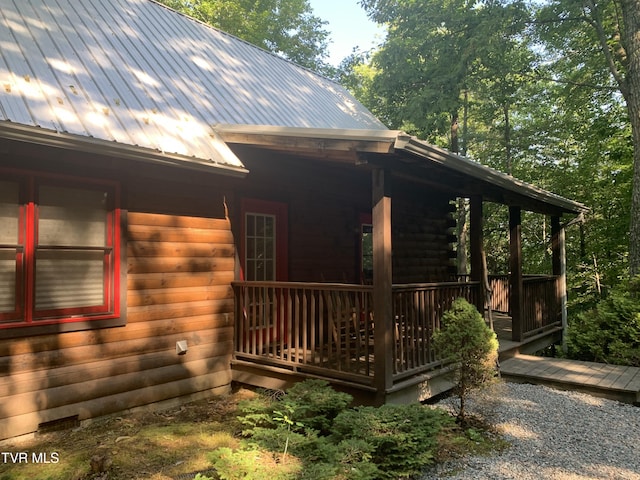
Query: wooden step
<point x="609" y="381"/>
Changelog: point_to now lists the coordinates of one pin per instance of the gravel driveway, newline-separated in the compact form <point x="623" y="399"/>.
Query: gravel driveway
<point x="554" y="435"/>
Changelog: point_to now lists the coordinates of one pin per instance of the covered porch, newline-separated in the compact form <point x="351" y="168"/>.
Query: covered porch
<point x="293" y="330"/>
<point x="373" y="335"/>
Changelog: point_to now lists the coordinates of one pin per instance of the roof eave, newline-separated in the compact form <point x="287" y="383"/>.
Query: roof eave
<point x="225" y="163"/>
<point x="487" y="174"/>
<point x="313" y="139"/>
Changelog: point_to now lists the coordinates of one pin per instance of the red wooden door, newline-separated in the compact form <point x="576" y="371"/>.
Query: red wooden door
<point x="264" y="258"/>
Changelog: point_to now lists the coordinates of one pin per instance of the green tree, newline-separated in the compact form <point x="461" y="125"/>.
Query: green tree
<point x="597" y="46"/>
<point x="470" y="345"/>
<point x="435" y="51"/>
<point x="285" y="27"/>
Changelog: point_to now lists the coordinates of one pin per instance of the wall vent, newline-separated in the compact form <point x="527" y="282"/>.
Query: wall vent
<point x="59" y="424"/>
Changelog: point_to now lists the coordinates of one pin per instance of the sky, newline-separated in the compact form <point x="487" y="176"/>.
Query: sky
<point x="349" y="27"/>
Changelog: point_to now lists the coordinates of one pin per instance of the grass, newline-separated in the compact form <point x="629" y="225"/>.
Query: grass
<point x="172" y="444"/>
<point x="162" y="445"/>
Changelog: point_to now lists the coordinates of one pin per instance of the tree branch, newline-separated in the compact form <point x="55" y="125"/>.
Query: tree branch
<point x="596" y="23"/>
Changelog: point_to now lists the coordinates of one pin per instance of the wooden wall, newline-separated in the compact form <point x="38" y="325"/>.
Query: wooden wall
<point x="325" y="202"/>
<point x="179" y="268"/>
<point x="180" y="260"/>
<point x="423" y="232"/>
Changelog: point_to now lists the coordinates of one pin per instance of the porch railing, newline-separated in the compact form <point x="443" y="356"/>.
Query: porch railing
<point x="418" y="309"/>
<point x="318" y="328"/>
<point x="327" y="329"/>
<point x="500" y="293"/>
<point x="541" y="309"/>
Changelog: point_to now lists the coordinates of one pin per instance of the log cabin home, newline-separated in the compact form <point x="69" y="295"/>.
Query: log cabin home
<point x="180" y="209"/>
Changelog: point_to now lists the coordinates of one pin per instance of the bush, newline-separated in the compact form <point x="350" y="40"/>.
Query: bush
<point x="312" y="434"/>
<point x="402" y="438"/>
<point x="314" y="404"/>
<point x="609" y="332"/>
<point x="310" y="406"/>
<point x="252" y="464"/>
<point x="470" y="346"/>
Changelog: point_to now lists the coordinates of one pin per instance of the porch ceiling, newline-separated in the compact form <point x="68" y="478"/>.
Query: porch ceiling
<point x="405" y="156"/>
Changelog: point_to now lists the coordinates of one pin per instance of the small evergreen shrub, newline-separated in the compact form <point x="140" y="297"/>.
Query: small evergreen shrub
<point x="314" y="404"/>
<point x="609" y="332"/>
<point x="402" y="438"/>
<point x="252" y="464"/>
<point x="311" y="406"/>
<point x="471" y="346"/>
<point x="311" y="433"/>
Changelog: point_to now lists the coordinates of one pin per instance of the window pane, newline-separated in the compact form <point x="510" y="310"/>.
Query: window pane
<point x="259" y="225"/>
<point x="69" y="279"/>
<point x="251" y="227"/>
<point x="9" y="211"/>
<point x="71" y="217"/>
<point x="268" y="226"/>
<point x="260" y="247"/>
<point x="7" y="280"/>
<point x="269" y="270"/>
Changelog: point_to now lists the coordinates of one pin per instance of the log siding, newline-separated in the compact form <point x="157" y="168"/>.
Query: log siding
<point x="178" y="287"/>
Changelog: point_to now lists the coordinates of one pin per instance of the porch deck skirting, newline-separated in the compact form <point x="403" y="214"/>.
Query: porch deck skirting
<point x="326" y="330"/>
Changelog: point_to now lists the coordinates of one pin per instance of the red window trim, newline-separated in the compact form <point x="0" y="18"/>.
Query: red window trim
<point x="25" y="318"/>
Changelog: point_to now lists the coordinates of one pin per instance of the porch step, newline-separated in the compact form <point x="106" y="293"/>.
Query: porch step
<point x="509" y="348"/>
<point x="609" y="381"/>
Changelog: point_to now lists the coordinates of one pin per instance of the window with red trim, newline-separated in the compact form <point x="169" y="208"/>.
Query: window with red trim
<point x="59" y="251"/>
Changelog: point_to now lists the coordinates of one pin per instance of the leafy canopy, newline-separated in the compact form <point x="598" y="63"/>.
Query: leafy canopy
<point x="285" y="27"/>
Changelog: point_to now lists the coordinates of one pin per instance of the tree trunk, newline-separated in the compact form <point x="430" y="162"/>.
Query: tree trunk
<point x="507" y="138"/>
<point x="631" y="42"/>
<point x="463" y="228"/>
<point x="463" y="237"/>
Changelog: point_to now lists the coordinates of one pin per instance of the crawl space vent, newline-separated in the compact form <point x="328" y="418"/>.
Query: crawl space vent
<point x="59" y="424"/>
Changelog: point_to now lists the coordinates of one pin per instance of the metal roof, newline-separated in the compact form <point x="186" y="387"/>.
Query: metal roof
<point x="142" y="75"/>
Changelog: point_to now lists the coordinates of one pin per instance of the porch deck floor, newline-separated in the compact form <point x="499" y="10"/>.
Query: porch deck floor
<point x="610" y="381"/>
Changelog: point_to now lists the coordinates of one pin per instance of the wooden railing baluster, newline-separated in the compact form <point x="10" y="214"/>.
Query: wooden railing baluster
<point x="327" y="329"/>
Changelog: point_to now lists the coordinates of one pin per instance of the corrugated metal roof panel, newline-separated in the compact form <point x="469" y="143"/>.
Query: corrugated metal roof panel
<point x="138" y="73"/>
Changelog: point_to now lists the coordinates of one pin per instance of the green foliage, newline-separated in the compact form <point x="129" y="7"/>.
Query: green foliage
<point x="402" y="437"/>
<point x="328" y="440"/>
<point x="200" y="476"/>
<point x="251" y="464"/>
<point x="309" y="406"/>
<point x="609" y="332"/>
<point x="470" y="346"/>
<point x="315" y="404"/>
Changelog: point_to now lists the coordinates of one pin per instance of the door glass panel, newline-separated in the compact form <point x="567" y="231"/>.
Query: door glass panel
<point x="260" y="247"/>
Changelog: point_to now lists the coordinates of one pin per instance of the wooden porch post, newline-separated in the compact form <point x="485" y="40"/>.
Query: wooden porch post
<point x="516" y="302"/>
<point x="559" y="259"/>
<point x="382" y="282"/>
<point x="477" y="263"/>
